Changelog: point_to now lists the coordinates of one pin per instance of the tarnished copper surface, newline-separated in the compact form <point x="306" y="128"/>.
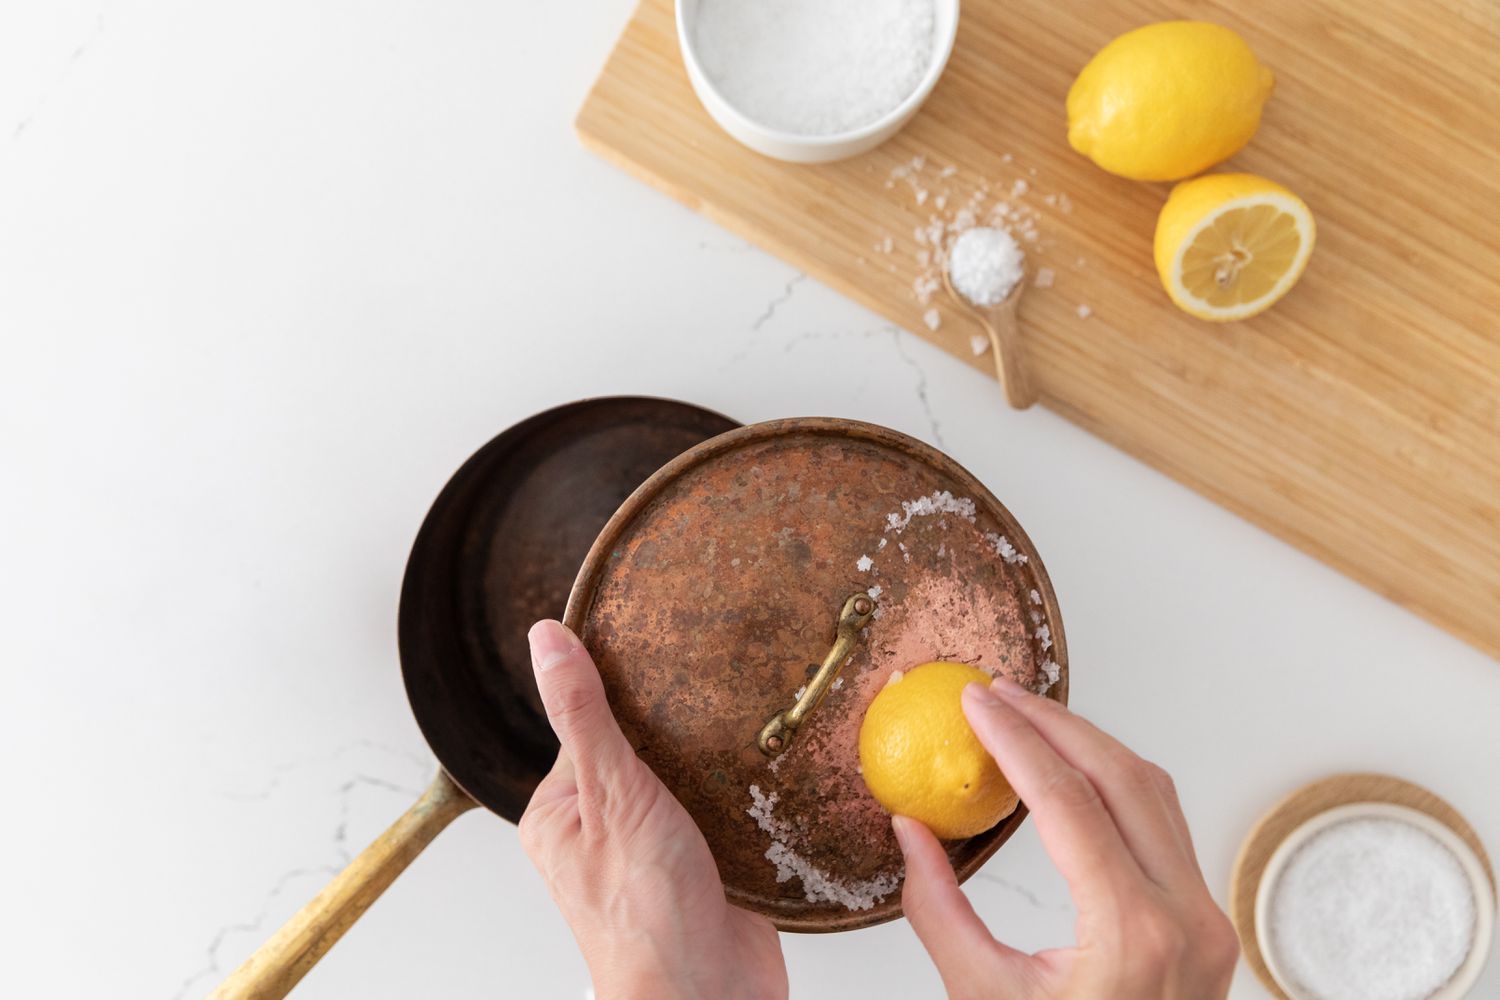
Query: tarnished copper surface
<point x="499" y="550"/>
<point x="710" y="596"/>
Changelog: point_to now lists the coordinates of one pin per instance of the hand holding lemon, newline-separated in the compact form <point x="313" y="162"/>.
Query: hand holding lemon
<point x="1147" y="927"/>
<point x="1165" y="102"/>
<point x="921" y="759"/>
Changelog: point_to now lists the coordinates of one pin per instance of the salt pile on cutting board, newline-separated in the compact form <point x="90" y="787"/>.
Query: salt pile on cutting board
<point x="815" y="67"/>
<point x="1372" y="909"/>
<point x="985" y="264"/>
<point x="963" y="202"/>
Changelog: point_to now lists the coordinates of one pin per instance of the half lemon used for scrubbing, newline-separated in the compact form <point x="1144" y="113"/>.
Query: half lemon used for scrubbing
<point x="920" y="759"/>
<point x="1228" y="246"/>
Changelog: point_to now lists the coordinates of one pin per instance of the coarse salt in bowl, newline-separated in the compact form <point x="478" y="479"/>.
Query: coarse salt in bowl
<point x="1373" y="900"/>
<point x="852" y="100"/>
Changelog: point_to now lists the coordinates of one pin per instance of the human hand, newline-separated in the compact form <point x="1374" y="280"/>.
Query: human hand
<point x="1147" y="928"/>
<point x="624" y="861"/>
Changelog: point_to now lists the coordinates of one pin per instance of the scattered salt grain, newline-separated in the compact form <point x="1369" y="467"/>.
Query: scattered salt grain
<point x="815" y="67"/>
<point x="1044" y="636"/>
<point x="1036" y="598"/>
<point x="875" y="592"/>
<point x="1003" y="548"/>
<point x="864" y="563"/>
<point x="959" y="205"/>
<point x="762" y="810"/>
<point x="817" y="885"/>
<point x="985" y="264"/>
<point x="979" y="344"/>
<point x="1084" y="312"/>
<point x="1045" y="276"/>
<point x="1372" y="909"/>
<point x="882" y="544"/>
<point x="838" y="682"/>
<point x="941" y="502"/>
<point x="924" y="286"/>
<point x="820" y="887"/>
<point x="1052" y="674"/>
<point x="896" y="675"/>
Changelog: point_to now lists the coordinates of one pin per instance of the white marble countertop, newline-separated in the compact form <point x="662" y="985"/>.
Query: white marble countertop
<point x="268" y="273"/>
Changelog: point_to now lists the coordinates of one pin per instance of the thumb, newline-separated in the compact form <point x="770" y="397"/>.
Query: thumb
<point x="573" y="696"/>
<point x="970" y="960"/>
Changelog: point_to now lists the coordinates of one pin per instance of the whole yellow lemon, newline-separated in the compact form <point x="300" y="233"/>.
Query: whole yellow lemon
<point x="1167" y="100"/>
<point x="921" y="759"/>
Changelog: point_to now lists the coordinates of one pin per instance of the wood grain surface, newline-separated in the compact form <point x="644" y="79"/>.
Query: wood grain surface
<point x="1359" y="419"/>
<point x="1301" y="806"/>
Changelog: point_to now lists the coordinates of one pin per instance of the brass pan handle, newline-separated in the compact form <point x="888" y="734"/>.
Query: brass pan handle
<point x="776" y="735"/>
<point x="281" y="962"/>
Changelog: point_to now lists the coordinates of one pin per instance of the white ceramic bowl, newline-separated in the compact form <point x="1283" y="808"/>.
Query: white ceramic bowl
<point x="1484" y="896"/>
<point x="815" y="148"/>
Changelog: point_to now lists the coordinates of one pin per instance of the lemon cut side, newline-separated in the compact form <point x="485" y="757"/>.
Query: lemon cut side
<point x="1228" y="246"/>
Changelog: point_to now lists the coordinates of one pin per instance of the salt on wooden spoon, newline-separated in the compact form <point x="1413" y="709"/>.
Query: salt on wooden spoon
<point x="985" y="273"/>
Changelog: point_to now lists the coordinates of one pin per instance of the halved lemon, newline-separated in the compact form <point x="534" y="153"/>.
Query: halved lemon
<point x="1229" y="245"/>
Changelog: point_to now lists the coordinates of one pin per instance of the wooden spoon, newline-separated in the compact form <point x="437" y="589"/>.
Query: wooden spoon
<point x="1001" y="323"/>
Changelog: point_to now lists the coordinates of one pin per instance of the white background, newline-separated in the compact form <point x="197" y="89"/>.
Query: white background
<point x="268" y="273"/>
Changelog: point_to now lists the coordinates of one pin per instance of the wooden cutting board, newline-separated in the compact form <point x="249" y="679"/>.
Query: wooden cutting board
<point x="1359" y="419"/>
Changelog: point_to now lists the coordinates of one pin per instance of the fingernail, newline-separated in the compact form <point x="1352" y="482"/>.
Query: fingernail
<point x="978" y="694"/>
<point x="1009" y="688"/>
<point x="902" y="831"/>
<point x="550" y="644"/>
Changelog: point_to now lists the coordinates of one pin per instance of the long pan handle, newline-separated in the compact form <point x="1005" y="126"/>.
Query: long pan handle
<point x="281" y="962"/>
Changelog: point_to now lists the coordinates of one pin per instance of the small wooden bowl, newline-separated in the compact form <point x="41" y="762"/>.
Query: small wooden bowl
<point x="1258" y="860"/>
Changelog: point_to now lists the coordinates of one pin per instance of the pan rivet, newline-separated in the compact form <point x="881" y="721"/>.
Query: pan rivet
<point x="862" y="606"/>
<point x="774" y="742"/>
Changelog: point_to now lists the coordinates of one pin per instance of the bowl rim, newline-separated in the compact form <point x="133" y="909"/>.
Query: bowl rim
<point x="1473" y="964"/>
<point x="942" y="51"/>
